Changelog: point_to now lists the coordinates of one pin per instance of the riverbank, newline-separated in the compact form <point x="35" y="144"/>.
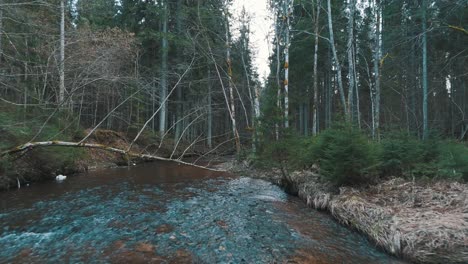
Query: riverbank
<point x="423" y="222"/>
<point x="43" y="164"/>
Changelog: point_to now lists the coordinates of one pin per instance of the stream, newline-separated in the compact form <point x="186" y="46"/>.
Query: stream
<point x="167" y="213"/>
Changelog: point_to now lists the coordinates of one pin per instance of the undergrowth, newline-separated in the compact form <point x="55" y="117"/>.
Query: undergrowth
<point x="346" y="156"/>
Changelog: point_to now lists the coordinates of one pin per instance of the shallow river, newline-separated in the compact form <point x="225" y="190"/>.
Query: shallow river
<point x="167" y="213"/>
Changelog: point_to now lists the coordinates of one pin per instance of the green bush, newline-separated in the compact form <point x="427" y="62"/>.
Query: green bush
<point x="291" y="151"/>
<point x="408" y="156"/>
<point x="345" y="156"/>
<point x="402" y="154"/>
<point x="453" y="160"/>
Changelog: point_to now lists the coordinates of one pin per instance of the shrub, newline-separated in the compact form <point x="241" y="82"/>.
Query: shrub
<point x="453" y="160"/>
<point x="345" y="155"/>
<point x="408" y="156"/>
<point x="401" y="153"/>
<point x="290" y="150"/>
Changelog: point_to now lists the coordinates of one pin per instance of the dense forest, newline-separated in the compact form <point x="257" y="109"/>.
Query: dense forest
<point x="363" y="113"/>
<point x="182" y="72"/>
<point x="380" y="64"/>
<point x="169" y="67"/>
<point x="390" y="71"/>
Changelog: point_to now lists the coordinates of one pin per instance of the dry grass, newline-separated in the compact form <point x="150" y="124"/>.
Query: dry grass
<point x="421" y="222"/>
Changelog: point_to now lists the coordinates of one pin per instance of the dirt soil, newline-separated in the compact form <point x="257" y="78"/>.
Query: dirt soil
<point x="423" y="222"/>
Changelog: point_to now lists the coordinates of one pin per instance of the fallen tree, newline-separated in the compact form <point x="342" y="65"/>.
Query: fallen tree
<point x="31" y="145"/>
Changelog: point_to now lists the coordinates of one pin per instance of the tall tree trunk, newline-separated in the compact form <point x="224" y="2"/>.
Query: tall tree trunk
<point x="306" y="117"/>
<point x="356" y="81"/>
<point x="251" y="96"/>
<point x="163" y="91"/>
<point x="351" y="63"/>
<point x="424" y="70"/>
<point x="377" y="56"/>
<point x="62" y="53"/>
<point x="231" y="91"/>
<point x="257" y="113"/>
<point x="179" y="95"/>
<point x="287" y="12"/>
<point x="278" y="67"/>
<point x="210" y="113"/>
<point x="315" y="111"/>
<point x="1" y="30"/>
<point x="328" y="85"/>
<point x="337" y="62"/>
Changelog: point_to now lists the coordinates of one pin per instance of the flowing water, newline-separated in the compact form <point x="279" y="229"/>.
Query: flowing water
<point x="167" y="213"/>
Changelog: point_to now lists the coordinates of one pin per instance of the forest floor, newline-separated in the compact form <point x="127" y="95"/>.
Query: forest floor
<point x="423" y="222"/>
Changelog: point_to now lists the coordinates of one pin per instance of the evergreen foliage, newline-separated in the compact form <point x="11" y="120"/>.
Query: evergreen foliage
<point x="345" y="156"/>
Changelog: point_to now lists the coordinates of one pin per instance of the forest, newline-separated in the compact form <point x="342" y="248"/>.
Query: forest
<point x="363" y="109"/>
<point x="183" y="71"/>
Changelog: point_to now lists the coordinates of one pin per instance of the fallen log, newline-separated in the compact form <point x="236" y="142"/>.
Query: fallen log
<point x="31" y="145"/>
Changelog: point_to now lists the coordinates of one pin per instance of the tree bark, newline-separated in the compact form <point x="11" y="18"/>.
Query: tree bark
<point x="1" y="30"/>
<point x="278" y="67"/>
<point x="337" y="62"/>
<point x="377" y="55"/>
<point x="231" y="91"/>
<point x="424" y="70"/>
<point x="179" y="94"/>
<point x="62" y="53"/>
<point x="251" y="96"/>
<point x="287" y="12"/>
<point x="316" y="46"/>
<point x="356" y="81"/>
<point x="351" y="63"/>
<point x="163" y="91"/>
<point x="210" y="113"/>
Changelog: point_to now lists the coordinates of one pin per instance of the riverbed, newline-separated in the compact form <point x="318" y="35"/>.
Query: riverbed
<point x="167" y="213"/>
